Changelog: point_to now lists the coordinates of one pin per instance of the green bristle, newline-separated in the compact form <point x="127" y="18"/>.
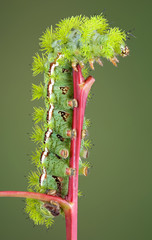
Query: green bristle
<point x="37" y="213"/>
<point x="46" y="40"/>
<point x="80" y="194"/>
<point x="87" y="143"/>
<point x="37" y="91"/>
<point x="86" y="164"/>
<point x="87" y="122"/>
<point x="37" y="134"/>
<point x="85" y="71"/>
<point x="33" y="180"/>
<point x="38" y="65"/>
<point x="38" y="114"/>
<point x="65" y="25"/>
<point x="36" y="157"/>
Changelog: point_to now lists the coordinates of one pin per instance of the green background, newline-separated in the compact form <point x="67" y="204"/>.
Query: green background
<point x="117" y="193"/>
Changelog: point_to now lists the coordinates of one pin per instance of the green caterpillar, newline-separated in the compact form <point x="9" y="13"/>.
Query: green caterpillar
<point x="76" y="40"/>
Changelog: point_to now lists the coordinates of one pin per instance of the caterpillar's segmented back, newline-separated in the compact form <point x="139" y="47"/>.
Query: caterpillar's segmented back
<point x="76" y="40"/>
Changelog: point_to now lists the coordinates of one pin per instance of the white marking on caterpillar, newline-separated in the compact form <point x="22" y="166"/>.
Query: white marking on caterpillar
<point x="44" y="155"/>
<point x="50" y="87"/>
<point x="49" y="113"/>
<point x="47" y="135"/>
<point x="51" y="83"/>
<point x="43" y="176"/>
<point x="49" y="116"/>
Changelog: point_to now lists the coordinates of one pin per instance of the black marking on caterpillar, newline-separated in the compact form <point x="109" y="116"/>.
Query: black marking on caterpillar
<point x="61" y="138"/>
<point x="59" y="181"/>
<point x="58" y="156"/>
<point x="64" y="115"/>
<point x="65" y="70"/>
<point x="64" y="90"/>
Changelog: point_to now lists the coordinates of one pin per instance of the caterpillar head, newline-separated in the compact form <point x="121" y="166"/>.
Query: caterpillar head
<point x="124" y="51"/>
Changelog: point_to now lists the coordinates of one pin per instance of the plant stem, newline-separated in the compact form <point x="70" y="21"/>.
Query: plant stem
<point x="40" y="196"/>
<point x="81" y="90"/>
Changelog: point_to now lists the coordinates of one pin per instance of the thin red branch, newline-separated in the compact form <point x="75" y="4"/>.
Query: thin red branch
<point x="81" y="90"/>
<point x="40" y="196"/>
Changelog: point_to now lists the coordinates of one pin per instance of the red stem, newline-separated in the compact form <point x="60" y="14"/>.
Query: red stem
<point x="81" y="90"/>
<point x="40" y="196"/>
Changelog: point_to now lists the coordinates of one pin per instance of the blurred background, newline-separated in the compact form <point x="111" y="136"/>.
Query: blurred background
<point x="117" y="193"/>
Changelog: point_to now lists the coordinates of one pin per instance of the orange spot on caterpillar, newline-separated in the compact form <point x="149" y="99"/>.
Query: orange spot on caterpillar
<point x="64" y="153"/>
<point x="70" y="171"/>
<point x="73" y="103"/>
<point x="71" y="133"/>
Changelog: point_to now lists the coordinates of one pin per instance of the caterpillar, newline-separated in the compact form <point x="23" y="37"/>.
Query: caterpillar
<point x="73" y="46"/>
